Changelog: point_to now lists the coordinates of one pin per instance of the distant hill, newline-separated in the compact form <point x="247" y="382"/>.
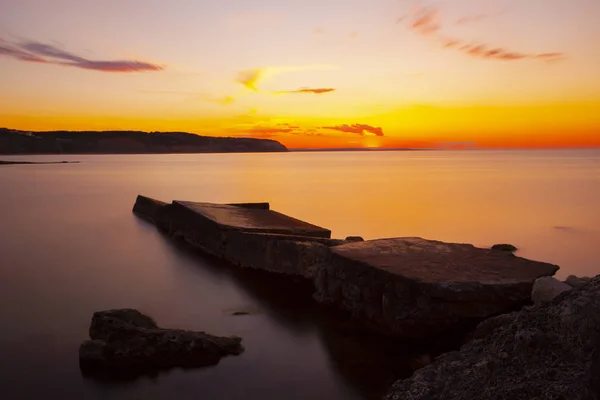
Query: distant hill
<point x="127" y="142"/>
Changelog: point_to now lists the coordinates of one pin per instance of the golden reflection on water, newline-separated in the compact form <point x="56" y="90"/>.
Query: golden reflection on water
<point x="544" y="202"/>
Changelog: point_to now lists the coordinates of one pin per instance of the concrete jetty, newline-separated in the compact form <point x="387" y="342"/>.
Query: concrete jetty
<point x="404" y="287"/>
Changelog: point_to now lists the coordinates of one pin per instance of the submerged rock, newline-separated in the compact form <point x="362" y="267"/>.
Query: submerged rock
<point x="126" y="342"/>
<point x="547" y="288"/>
<point x="544" y="352"/>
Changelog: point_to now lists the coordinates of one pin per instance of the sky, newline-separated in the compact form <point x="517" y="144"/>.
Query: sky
<point x="309" y="73"/>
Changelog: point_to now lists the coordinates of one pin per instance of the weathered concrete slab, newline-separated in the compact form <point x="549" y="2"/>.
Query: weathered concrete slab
<point x="414" y="287"/>
<point x="250" y="219"/>
<point x="244" y="234"/>
<point x="406" y="287"/>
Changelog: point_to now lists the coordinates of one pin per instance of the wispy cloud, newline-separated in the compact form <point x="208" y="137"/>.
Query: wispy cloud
<point x="427" y="22"/>
<point x="360" y="129"/>
<point x="250" y="78"/>
<point x="471" y="19"/>
<point x="49" y="54"/>
<point x="223" y="100"/>
<point x="6" y="49"/>
<point x="268" y="131"/>
<point x="307" y="90"/>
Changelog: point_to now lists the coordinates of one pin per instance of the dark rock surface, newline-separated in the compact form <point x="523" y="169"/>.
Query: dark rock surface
<point x="127" y="142"/>
<point x="126" y="343"/>
<point x="414" y="288"/>
<point x="544" y="352"/>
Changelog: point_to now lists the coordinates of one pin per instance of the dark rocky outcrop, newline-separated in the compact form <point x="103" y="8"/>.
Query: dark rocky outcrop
<point x="544" y="352"/>
<point x="127" y="142"/>
<point x="127" y="343"/>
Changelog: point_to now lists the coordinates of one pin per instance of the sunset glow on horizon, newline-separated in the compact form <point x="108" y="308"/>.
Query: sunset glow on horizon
<point x="310" y="74"/>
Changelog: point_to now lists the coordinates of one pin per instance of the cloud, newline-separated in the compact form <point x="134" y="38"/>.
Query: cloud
<point x="359" y="129"/>
<point x="49" y="54"/>
<point x="471" y="19"/>
<point x="319" y="31"/>
<point x="353" y="35"/>
<point x="250" y="78"/>
<point x="223" y="100"/>
<point x="427" y="22"/>
<point x="6" y="49"/>
<point x="307" y="90"/>
<point x="276" y="130"/>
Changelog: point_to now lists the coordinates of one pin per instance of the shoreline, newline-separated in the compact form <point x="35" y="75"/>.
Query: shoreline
<point x="4" y="162"/>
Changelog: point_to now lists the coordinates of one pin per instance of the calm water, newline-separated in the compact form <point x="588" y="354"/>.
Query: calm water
<point x="69" y="245"/>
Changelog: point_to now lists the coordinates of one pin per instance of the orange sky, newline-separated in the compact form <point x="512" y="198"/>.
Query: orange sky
<point x="334" y="73"/>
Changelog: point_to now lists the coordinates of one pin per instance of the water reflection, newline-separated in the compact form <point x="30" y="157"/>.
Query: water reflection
<point x="367" y="361"/>
<point x="70" y="246"/>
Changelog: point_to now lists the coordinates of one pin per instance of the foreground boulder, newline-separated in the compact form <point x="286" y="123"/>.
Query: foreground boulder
<point x="416" y="288"/>
<point x="127" y="343"/>
<point x="575" y="281"/>
<point x="548" y="351"/>
<point x="547" y="288"/>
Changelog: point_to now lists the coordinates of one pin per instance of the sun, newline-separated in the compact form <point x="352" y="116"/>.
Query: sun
<point x="371" y="142"/>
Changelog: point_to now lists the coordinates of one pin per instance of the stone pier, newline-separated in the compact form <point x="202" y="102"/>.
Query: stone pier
<point x="404" y="287"/>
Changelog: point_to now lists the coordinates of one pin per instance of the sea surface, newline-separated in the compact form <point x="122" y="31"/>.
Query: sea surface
<point x="69" y="246"/>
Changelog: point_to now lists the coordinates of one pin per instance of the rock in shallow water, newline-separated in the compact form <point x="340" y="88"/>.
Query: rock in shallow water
<point x="548" y="351"/>
<point x="128" y="343"/>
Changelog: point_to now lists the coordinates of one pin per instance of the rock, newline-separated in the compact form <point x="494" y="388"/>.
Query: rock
<point x="240" y="313"/>
<point x="355" y="239"/>
<point x="127" y="343"/>
<point x="258" y="206"/>
<point x="547" y="288"/>
<point x="504" y="247"/>
<point x="147" y="208"/>
<point x="417" y="288"/>
<point x="575" y="281"/>
<point x="544" y="352"/>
